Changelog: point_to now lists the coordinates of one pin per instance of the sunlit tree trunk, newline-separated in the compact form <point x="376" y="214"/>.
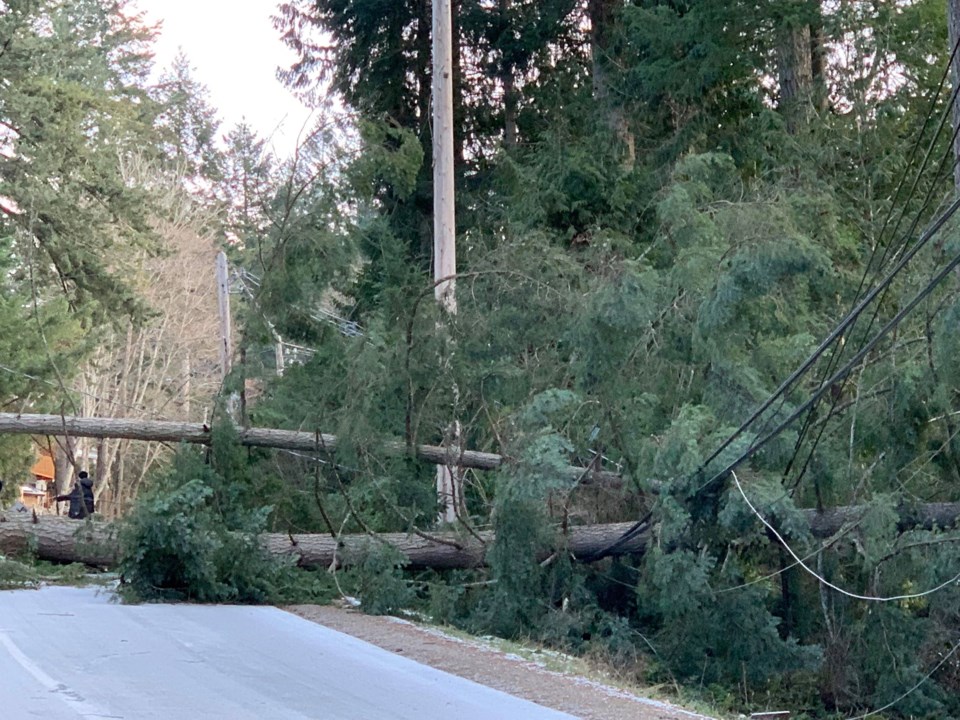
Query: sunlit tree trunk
<point x="801" y="65"/>
<point x="63" y="465"/>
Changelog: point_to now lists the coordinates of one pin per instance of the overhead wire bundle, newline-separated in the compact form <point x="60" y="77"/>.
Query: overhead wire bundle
<point x="891" y="249"/>
<point x="832" y="375"/>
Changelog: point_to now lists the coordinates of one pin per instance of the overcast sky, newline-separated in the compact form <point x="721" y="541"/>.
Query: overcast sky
<point x="235" y="52"/>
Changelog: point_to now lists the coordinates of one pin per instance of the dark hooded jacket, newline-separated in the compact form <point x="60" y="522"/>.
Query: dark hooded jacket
<point x="81" y="499"/>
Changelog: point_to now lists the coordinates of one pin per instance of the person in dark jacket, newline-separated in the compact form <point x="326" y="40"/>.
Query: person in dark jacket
<point x="81" y="497"/>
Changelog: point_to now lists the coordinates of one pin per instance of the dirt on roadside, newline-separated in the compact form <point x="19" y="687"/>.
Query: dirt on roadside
<point x="503" y="671"/>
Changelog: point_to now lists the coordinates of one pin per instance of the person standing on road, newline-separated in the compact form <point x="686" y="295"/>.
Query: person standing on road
<point x="81" y="497"/>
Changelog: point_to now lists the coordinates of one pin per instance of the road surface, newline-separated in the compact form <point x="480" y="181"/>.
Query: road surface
<point x="68" y="653"/>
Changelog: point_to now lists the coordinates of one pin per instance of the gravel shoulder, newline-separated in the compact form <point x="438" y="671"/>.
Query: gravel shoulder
<point x="494" y="668"/>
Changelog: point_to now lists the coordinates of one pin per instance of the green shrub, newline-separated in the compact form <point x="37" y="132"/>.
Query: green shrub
<point x="192" y="537"/>
<point x="376" y="575"/>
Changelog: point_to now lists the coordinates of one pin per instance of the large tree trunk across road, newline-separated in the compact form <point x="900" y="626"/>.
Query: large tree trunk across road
<point x="62" y="540"/>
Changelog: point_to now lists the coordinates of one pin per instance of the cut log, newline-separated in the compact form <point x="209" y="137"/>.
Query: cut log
<point x="62" y="540"/>
<point x="447" y="551"/>
<point x="312" y="442"/>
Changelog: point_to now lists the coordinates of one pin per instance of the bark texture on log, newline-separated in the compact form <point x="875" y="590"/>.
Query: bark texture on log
<point x="62" y="540"/>
<point x="58" y="539"/>
<point x="197" y="433"/>
<point x="830" y="521"/>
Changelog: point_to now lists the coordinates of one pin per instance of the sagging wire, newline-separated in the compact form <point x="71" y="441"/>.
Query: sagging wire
<point x="860" y="355"/>
<point x="822" y="580"/>
<point x="855" y="312"/>
<point x="909" y="692"/>
<point x="839" y="348"/>
<point x="642" y="524"/>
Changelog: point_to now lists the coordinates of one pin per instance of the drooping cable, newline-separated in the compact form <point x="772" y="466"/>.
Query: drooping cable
<point x="836" y="333"/>
<point x="860" y="355"/>
<point x="822" y="580"/>
<point x="642" y="524"/>
<point x="840" y="348"/>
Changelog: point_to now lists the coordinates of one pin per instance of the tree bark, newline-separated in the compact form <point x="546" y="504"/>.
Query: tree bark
<point x="198" y="433"/>
<point x="818" y="61"/>
<point x="928" y="516"/>
<point x="509" y="84"/>
<point x="63" y="461"/>
<point x="795" y="69"/>
<point x="59" y="539"/>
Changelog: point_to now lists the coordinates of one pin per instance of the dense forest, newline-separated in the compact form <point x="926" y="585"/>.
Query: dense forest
<point x="706" y="255"/>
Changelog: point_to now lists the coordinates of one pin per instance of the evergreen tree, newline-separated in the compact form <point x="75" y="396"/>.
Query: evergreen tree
<point x="71" y="108"/>
<point x="628" y="316"/>
<point x="187" y="122"/>
<point x="248" y="184"/>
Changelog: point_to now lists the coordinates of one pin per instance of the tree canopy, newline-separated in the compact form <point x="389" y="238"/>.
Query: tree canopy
<point x="681" y="228"/>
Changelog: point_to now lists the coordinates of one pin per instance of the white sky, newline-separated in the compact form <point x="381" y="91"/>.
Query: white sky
<point x="235" y="51"/>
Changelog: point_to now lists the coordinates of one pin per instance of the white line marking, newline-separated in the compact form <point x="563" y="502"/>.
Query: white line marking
<point x="76" y="702"/>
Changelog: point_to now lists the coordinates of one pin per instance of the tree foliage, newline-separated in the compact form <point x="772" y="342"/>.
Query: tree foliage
<point x="194" y="538"/>
<point x="663" y="208"/>
<point x="72" y="104"/>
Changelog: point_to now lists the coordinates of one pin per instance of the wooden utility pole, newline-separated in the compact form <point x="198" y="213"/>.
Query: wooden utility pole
<point x="953" y="33"/>
<point x="223" y="302"/>
<point x="444" y="219"/>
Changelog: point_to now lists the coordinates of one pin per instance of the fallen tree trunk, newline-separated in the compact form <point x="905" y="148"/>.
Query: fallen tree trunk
<point x="61" y="540"/>
<point x="312" y="442"/>
<point x="926" y="516"/>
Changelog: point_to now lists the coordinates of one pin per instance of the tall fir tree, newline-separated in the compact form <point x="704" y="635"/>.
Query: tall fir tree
<point x="187" y="122"/>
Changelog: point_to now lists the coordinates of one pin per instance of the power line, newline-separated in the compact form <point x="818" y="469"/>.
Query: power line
<point x="825" y="546"/>
<point x="839" y="349"/>
<point x="855" y="313"/>
<point x="642" y="524"/>
<point x="822" y="580"/>
<point x="349" y="328"/>
<point x="920" y="682"/>
<point x="853" y="362"/>
<point x="837" y="332"/>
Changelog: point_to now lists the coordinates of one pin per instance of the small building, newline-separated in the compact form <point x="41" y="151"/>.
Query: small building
<point x="38" y="493"/>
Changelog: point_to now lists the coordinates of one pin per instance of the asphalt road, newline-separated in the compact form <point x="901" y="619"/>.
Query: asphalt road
<point x="68" y="653"/>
